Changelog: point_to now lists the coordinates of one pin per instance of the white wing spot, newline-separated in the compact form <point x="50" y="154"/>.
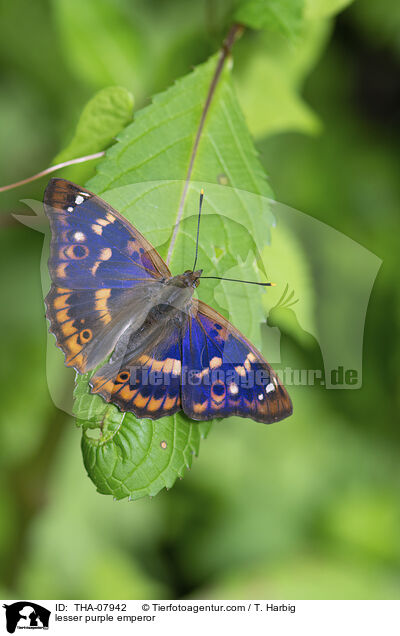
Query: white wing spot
<point x="79" y="199"/>
<point x="79" y="236"/>
<point x="70" y="208"/>
<point x="270" y="387"/>
<point x="233" y="388"/>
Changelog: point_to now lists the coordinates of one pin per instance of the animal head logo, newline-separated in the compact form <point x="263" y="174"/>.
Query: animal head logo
<point x="26" y="615"/>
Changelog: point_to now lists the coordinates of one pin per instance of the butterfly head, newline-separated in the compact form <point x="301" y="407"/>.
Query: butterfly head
<point x="186" y="280"/>
<point x="192" y="279"/>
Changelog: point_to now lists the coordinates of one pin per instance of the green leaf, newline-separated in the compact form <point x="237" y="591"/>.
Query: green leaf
<point x="270" y="101"/>
<point x="283" y="16"/>
<point x="136" y="458"/>
<point x="157" y="146"/>
<point x="101" y="120"/>
<point x="128" y="458"/>
<point x="269" y="79"/>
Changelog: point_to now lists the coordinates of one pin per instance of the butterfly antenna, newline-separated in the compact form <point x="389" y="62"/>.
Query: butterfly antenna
<point x="238" y="280"/>
<point x="198" y="228"/>
<point x="233" y="280"/>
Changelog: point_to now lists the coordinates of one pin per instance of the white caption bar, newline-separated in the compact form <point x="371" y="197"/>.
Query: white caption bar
<point x="277" y="618"/>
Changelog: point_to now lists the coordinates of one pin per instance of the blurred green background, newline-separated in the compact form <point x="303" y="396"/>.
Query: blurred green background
<point x="308" y="508"/>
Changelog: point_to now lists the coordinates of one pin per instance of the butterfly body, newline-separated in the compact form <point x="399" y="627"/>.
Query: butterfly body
<point x="112" y="294"/>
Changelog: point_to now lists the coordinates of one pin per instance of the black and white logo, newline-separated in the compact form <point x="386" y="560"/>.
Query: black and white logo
<point x="26" y="615"/>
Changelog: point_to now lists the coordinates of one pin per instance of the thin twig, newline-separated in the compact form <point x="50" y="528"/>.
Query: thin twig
<point x="234" y="32"/>
<point x="58" y="166"/>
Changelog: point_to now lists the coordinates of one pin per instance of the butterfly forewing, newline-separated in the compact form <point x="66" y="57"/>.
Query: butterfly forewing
<point x="88" y="323"/>
<point x="92" y="245"/>
<point x="105" y="274"/>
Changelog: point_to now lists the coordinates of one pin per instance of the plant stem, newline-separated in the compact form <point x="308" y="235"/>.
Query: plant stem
<point x="234" y="32"/>
<point x="51" y="169"/>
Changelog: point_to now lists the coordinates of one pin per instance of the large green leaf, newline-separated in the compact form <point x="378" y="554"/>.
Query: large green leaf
<point x="128" y="458"/>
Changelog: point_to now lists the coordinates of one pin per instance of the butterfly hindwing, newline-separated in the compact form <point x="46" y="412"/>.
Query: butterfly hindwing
<point x="225" y="375"/>
<point x="144" y="373"/>
<point x="92" y="245"/>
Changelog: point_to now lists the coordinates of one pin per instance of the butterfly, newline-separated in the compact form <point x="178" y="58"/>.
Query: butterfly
<point x="112" y="293"/>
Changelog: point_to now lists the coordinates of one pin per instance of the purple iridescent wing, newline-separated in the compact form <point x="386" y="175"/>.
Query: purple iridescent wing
<point x="143" y="375"/>
<point x="93" y="246"/>
<point x="223" y="374"/>
<point x="105" y="274"/>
